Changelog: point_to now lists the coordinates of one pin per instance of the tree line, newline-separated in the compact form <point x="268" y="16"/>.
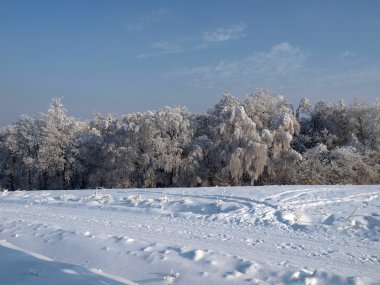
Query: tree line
<point x="260" y="140"/>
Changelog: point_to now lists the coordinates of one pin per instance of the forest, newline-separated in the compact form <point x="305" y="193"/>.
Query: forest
<point x="259" y="140"/>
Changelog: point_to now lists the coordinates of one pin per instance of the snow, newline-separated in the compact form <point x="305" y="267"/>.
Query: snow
<point x="219" y="235"/>
<point x="23" y="267"/>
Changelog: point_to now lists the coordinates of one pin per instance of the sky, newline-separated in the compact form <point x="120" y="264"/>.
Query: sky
<point x="122" y="56"/>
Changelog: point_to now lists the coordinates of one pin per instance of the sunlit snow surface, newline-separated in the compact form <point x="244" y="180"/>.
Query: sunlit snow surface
<point x="220" y="235"/>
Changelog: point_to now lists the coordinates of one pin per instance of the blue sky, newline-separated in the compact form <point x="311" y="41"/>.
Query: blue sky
<point x="125" y="56"/>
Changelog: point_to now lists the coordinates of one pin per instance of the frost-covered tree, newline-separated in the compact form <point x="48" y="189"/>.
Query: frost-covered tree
<point x="168" y="132"/>
<point x="304" y="115"/>
<point x="27" y="136"/>
<point x="281" y="154"/>
<point x="239" y="154"/>
<point x="155" y="144"/>
<point x="372" y="127"/>
<point x="90" y="157"/>
<point x="364" y="122"/>
<point x="324" y="123"/>
<point x="257" y="141"/>
<point x="58" y="147"/>
<point x="20" y="145"/>
<point x="311" y="169"/>
<point x="341" y="165"/>
<point x="330" y="124"/>
<point x="359" y="116"/>
<point x="8" y="165"/>
<point x="198" y="166"/>
<point x="104" y="152"/>
<point x="262" y="108"/>
<point x="274" y="117"/>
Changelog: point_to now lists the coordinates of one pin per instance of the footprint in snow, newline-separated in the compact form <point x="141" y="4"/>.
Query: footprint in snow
<point x="248" y="268"/>
<point x="195" y="255"/>
<point x="289" y="245"/>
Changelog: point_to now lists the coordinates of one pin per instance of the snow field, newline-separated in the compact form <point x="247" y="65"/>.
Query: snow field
<point x="220" y="235"/>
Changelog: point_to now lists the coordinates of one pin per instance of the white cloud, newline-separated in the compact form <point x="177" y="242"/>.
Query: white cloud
<point x="162" y="48"/>
<point x="282" y="68"/>
<point x="206" y="40"/>
<point x="225" y="33"/>
<point x="347" y="53"/>
<point x="349" y="77"/>
<point x="282" y="61"/>
<point x="152" y="17"/>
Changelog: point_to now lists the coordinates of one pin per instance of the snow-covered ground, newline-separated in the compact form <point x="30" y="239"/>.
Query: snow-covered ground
<point x="221" y="235"/>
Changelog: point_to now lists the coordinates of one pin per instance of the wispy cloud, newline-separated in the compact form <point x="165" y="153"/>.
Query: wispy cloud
<point x="202" y="41"/>
<point x="347" y="53"/>
<point x="162" y="48"/>
<point x="152" y="17"/>
<point x="283" y="68"/>
<point x="223" y="34"/>
<point x="166" y="48"/>
<point x="282" y="61"/>
<point x="350" y="77"/>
